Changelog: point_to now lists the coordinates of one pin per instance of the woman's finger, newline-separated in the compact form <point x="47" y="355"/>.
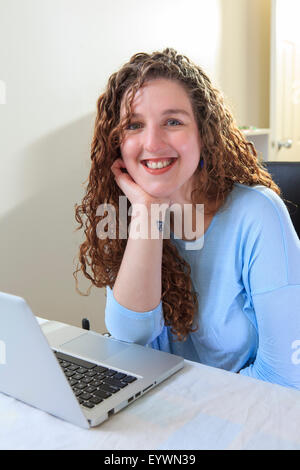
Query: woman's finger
<point x="116" y="167"/>
<point x="123" y="180"/>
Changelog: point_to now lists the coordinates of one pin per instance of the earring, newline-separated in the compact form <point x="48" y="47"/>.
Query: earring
<point x="201" y="163"/>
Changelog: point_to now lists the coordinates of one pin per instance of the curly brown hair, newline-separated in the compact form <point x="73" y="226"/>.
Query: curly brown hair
<point x="227" y="158"/>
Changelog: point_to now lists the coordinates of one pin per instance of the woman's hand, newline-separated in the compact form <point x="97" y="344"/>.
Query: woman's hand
<point x="134" y="193"/>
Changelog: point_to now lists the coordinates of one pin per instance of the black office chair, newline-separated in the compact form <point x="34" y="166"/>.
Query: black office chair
<point x="287" y="176"/>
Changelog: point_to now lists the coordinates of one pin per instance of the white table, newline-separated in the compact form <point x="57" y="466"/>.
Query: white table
<point x="199" y="407"/>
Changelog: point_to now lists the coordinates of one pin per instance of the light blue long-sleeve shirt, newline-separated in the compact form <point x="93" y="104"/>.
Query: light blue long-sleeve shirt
<point x="246" y="271"/>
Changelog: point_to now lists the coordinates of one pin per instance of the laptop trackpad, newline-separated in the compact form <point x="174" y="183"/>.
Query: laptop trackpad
<point x="94" y="347"/>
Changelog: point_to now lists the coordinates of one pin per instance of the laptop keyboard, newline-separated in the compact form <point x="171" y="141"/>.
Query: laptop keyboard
<point x="90" y="382"/>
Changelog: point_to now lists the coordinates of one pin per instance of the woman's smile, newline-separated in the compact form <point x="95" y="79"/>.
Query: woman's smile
<point x="158" y="166"/>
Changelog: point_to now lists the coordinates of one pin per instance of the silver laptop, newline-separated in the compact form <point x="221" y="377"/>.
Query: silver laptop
<point x="77" y="375"/>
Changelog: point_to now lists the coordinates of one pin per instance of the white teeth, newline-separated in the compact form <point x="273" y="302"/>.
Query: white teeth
<point x="160" y="164"/>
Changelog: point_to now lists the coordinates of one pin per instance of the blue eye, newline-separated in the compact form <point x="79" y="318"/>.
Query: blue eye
<point x="174" y="120"/>
<point x="133" y="126"/>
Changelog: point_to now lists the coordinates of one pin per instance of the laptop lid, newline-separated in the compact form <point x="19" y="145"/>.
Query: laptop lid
<point x="29" y="370"/>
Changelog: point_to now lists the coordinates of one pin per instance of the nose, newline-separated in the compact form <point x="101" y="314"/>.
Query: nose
<point x="154" y="142"/>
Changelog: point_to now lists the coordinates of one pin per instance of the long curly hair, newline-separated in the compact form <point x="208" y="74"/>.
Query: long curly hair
<point x="227" y="158"/>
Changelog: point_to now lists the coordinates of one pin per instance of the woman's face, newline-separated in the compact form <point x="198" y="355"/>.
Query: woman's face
<point x="162" y="131"/>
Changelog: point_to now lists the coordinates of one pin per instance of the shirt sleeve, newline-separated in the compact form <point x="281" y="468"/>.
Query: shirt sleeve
<point x="278" y="322"/>
<point x="130" y="326"/>
<point x="272" y="280"/>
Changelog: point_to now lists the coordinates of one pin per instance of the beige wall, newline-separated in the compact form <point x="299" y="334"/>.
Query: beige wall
<point x="55" y="58"/>
<point x="245" y="59"/>
<point x="259" y="55"/>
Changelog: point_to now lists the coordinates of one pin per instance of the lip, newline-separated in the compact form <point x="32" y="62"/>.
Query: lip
<point x="158" y="171"/>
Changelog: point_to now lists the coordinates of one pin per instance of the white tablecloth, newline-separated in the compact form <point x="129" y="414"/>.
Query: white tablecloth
<point x="199" y="407"/>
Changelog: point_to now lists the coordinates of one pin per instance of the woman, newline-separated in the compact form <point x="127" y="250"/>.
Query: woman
<point x="229" y="296"/>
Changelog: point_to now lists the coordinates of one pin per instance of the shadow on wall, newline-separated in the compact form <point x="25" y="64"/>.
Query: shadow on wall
<point x="38" y="239"/>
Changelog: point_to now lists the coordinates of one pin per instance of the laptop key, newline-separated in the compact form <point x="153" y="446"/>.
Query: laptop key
<point x="119" y="376"/>
<point x="102" y="394"/>
<point x="69" y="374"/>
<point x="95" y="400"/>
<point x="64" y="364"/>
<point x="100" y="369"/>
<point x="108" y="388"/>
<point x="95" y="383"/>
<point x="110" y="372"/>
<point x="81" y="386"/>
<point x="100" y="376"/>
<point x="129" y="379"/>
<point x="87" y="380"/>
<point x="115" y="383"/>
<point x="87" y="404"/>
<point x="85" y="396"/>
<point x="78" y="376"/>
<point x="91" y="373"/>
<point x="72" y="382"/>
<point x="75" y="360"/>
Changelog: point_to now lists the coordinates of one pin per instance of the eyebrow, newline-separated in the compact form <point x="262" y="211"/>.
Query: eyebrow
<point x="167" y="111"/>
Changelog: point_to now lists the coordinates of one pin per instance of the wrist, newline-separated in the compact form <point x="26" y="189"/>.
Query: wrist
<point x="147" y="220"/>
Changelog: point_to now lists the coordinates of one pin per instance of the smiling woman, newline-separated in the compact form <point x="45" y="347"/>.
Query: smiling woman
<point x="164" y="136"/>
